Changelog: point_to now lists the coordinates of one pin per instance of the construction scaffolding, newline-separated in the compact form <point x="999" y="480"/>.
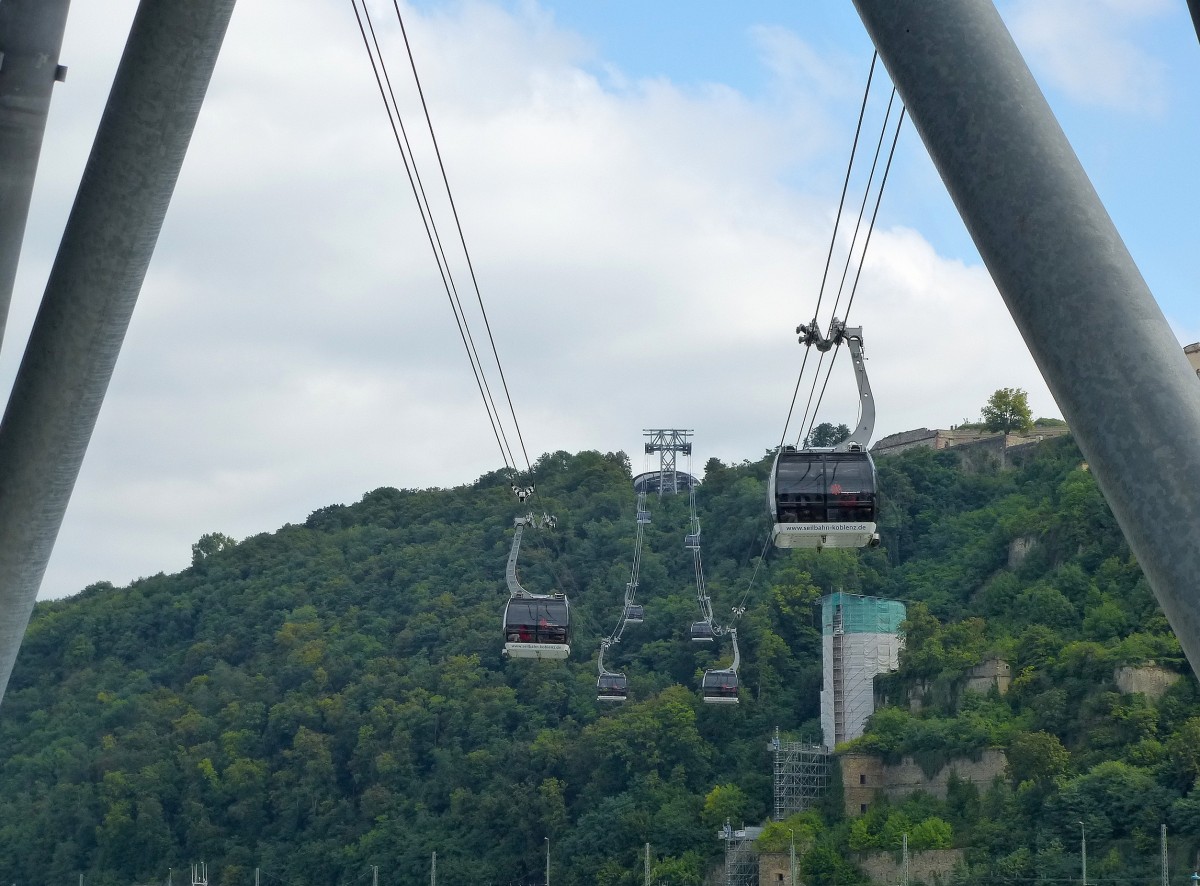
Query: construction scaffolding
<point x="860" y="637"/>
<point x="801" y="775"/>
<point x="741" y="856"/>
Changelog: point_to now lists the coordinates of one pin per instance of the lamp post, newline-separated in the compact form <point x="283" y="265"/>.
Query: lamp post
<point x="548" y="862"/>
<point x="791" y="858"/>
<point x="1083" y="852"/>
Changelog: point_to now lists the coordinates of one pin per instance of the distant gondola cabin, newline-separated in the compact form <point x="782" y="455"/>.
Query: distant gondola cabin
<point x="720" y="687"/>
<point x="612" y="687"/>
<point x="702" y="632"/>
<point x="537" y="626"/>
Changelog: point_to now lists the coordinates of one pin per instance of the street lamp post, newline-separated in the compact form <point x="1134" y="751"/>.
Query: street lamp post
<point x="1083" y="852"/>
<point x="791" y="858"/>
<point x="548" y="862"/>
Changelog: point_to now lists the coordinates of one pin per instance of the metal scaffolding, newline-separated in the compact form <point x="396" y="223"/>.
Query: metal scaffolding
<point x="741" y="856"/>
<point x="801" y="775"/>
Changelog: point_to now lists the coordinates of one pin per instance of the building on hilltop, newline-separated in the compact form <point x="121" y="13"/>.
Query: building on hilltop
<point x="947" y="438"/>
<point x="943" y="438"/>
<point x="860" y="637"/>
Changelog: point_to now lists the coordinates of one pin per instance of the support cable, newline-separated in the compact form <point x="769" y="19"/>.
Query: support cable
<point x="462" y="239"/>
<point x="870" y="228"/>
<point x="862" y="259"/>
<point x="846" y="182"/>
<point x="418" y="188"/>
<point x="862" y="208"/>
<point x="832" y="243"/>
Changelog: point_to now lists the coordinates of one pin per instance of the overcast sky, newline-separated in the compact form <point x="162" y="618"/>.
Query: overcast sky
<point x="648" y="193"/>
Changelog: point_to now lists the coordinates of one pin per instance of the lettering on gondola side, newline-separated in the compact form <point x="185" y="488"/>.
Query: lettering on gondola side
<point x="537" y="650"/>
<point x="825" y="527"/>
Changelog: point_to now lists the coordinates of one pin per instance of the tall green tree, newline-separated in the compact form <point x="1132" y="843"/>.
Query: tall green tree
<point x="1008" y="410"/>
<point x="827" y="434"/>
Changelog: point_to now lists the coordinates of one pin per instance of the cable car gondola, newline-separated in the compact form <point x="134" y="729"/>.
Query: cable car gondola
<point x="609" y="686"/>
<point x="635" y="614"/>
<point x="826" y="497"/>
<point x="720" y="685"/>
<point x="535" y="625"/>
<point x="702" y="632"/>
<point x="823" y="499"/>
<point x="612" y="687"/>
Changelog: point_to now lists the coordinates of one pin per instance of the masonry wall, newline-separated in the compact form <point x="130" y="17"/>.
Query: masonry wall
<point x="773" y="868"/>
<point x="970" y="440"/>
<point x="866" y="777"/>
<point x="930" y="866"/>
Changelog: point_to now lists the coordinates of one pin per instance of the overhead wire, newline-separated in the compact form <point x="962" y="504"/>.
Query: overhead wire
<point x="862" y="111"/>
<point x="806" y="425"/>
<point x="400" y="134"/>
<point x="866" y="243"/>
<point x="862" y="207"/>
<point x="461" y="237"/>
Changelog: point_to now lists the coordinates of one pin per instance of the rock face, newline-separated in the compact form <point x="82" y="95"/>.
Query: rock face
<point x="866" y="777"/>
<point x="1018" y="550"/>
<point x="1148" y="679"/>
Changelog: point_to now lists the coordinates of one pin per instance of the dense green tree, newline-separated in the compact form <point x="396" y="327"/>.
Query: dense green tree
<point x="1037" y="757"/>
<point x="332" y="695"/>
<point x="1007" y="410"/>
<point x="826" y="434"/>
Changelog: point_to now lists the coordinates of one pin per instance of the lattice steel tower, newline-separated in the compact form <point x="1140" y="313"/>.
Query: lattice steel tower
<point x="801" y="775"/>
<point x="667" y="442"/>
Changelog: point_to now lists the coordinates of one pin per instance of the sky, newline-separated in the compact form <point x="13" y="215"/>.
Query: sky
<point x="648" y="193"/>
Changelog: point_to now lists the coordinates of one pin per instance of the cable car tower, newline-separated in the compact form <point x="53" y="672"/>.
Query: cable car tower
<point x="667" y="442"/>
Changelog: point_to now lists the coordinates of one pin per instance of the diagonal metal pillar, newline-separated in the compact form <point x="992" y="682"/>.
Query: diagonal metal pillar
<point x="93" y="286"/>
<point x="31" y="35"/>
<point x="1089" y="319"/>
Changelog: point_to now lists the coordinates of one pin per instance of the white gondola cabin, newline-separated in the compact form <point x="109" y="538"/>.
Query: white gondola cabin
<point x="537" y="626"/>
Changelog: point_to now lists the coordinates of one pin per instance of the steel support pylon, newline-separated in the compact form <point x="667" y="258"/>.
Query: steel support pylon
<point x="1089" y="319"/>
<point x="93" y="286"/>
<point x="31" y="35"/>
<point x="667" y="442"/>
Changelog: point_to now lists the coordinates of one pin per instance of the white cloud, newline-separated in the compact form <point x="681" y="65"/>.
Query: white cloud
<point x="1085" y="48"/>
<point x="642" y="260"/>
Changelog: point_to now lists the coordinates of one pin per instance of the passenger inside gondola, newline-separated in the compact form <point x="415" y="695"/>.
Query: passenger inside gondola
<point x="536" y="620"/>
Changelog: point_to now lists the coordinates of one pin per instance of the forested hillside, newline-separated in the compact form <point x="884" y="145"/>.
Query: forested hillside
<point x="332" y="696"/>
